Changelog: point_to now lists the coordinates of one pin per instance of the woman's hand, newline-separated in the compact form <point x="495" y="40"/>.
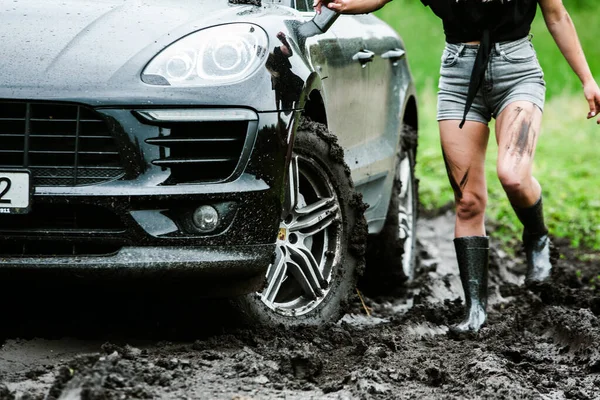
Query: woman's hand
<point x="317" y="5"/>
<point x="592" y="94"/>
<point x="350" y="6"/>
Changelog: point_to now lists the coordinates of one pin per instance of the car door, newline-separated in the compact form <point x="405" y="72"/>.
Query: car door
<point x="347" y="86"/>
<point x="340" y="58"/>
<point x="383" y="122"/>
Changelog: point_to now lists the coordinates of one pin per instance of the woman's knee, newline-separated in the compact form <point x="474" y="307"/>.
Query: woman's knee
<point x="471" y="206"/>
<point x="511" y="180"/>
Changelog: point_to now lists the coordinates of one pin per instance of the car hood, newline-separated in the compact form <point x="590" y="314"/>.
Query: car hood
<point x="86" y="42"/>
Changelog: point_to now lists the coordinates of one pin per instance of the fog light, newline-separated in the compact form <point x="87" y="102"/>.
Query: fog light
<point x="206" y="218"/>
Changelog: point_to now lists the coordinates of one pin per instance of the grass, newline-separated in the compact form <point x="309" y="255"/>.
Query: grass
<point x="566" y="159"/>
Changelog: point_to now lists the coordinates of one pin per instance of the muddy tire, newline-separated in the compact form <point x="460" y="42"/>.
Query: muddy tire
<point x="321" y="242"/>
<point x="391" y="254"/>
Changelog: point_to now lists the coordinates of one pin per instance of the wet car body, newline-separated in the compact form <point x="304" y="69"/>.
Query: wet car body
<point x="116" y="175"/>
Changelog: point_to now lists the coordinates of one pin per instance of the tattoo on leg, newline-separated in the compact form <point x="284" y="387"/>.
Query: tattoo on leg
<point x="455" y="187"/>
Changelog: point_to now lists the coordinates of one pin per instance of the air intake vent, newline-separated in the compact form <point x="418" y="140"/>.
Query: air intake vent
<point x="198" y="152"/>
<point x="62" y="144"/>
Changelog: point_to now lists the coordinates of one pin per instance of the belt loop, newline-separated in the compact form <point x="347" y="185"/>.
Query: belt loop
<point x="460" y="49"/>
<point x="497" y="47"/>
<point x="530" y="36"/>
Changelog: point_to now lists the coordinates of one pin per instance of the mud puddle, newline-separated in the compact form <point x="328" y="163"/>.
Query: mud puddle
<point x="540" y="343"/>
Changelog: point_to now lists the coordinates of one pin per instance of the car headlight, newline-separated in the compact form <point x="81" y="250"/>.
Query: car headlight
<point x="213" y="56"/>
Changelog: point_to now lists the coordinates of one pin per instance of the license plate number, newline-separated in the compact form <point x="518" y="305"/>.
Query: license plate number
<point x="15" y="192"/>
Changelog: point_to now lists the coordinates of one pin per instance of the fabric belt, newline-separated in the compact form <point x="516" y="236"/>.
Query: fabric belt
<point x="478" y="72"/>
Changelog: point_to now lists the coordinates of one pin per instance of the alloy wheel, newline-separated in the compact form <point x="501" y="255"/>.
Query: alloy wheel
<point x="406" y="213"/>
<point x="308" y="242"/>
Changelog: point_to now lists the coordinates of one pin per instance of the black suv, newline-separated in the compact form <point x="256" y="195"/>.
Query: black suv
<point x="205" y="141"/>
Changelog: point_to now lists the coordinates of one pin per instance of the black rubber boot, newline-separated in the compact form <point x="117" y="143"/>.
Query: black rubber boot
<point x="472" y="254"/>
<point x="535" y="241"/>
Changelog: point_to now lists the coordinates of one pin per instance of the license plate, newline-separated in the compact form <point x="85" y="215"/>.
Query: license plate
<point x="15" y="192"/>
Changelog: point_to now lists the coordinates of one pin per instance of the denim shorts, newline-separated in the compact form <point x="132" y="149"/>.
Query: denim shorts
<point x="513" y="74"/>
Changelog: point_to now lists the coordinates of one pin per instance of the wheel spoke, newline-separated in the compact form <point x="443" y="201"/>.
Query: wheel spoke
<point x="403" y="215"/>
<point x="309" y="266"/>
<point x="315" y="225"/>
<point x="403" y="233"/>
<point x="298" y="273"/>
<point x="315" y="217"/>
<point x="315" y="266"/>
<point x="279" y="258"/>
<point x="292" y="186"/>
<point x="316" y="206"/>
<point x="404" y="176"/>
<point x="277" y="271"/>
<point x="404" y="222"/>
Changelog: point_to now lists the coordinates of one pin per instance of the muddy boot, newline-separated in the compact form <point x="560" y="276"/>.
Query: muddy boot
<point x="472" y="253"/>
<point x="536" y="242"/>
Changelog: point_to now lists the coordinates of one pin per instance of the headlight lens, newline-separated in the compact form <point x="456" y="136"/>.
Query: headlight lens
<point x="213" y="56"/>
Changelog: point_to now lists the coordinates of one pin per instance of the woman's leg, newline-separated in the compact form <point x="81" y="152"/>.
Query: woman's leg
<point x="517" y="132"/>
<point x="464" y="155"/>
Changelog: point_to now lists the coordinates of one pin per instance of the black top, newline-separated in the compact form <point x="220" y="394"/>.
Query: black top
<point x="486" y="21"/>
<point x="465" y="20"/>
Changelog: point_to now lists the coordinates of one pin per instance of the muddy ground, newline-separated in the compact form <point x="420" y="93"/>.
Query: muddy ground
<point x="540" y="343"/>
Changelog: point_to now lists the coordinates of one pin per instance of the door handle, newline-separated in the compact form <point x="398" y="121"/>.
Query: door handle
<point x="364" y="57"/>
<point x="394" y="55"/>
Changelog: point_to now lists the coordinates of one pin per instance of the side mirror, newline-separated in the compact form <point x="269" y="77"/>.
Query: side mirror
<point x="319" y="24"/>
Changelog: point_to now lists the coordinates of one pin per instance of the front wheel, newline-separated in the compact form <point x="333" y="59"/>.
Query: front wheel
<point x="321" y="240"/>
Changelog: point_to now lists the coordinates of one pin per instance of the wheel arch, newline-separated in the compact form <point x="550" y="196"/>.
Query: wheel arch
<point x="410" y="115"/>
<point x="313" y="102"/>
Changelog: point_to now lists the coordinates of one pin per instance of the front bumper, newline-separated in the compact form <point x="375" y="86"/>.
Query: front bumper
<point x="216" y="270"/>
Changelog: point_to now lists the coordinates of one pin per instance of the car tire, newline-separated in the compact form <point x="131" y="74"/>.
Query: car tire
<point x="314" y="272"/>
<point x="391" y="254"/>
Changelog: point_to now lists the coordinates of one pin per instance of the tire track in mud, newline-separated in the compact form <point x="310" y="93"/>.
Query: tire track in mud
<point x="539" y="343"/>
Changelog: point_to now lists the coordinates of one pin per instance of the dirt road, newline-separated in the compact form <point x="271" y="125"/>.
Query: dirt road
<point x="540" y="343"/>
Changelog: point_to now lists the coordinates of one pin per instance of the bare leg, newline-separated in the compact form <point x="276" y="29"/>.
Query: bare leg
<point x="517" y="132"/>
<point x="464" y="155"/>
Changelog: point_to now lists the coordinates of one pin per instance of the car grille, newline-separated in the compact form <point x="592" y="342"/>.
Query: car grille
<point x="62" y="144"/>
<point x="199" y="152"/>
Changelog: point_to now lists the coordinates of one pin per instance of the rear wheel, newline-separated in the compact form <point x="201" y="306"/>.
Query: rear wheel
<point x="321" y="241"/>
<point x="391" y="254"/>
